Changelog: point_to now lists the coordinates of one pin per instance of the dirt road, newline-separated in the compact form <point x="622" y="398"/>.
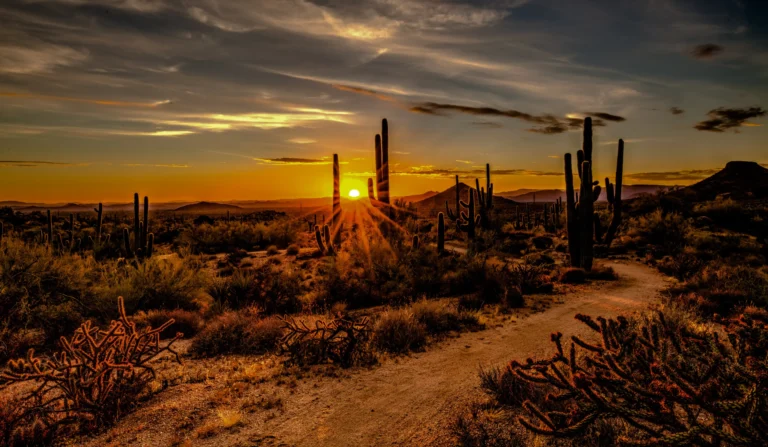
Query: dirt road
<point x="405" y="402"/>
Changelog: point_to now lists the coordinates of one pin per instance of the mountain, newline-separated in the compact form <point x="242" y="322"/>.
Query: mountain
<point x="436" y="203"/>
<point x="551" y="195"/>
<point x="417" y="197"/>
<point x="739" y="180"/>
<point x="515" y="192"/>
<point x="207" y="207"/>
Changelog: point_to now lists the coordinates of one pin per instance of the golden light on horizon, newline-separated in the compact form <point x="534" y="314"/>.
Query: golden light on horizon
<point x="354" y="194"/>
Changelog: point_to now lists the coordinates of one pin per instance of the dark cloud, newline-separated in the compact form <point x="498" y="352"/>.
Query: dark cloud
<point x="488" y="124"/>
<point x="606" y="116"/>
<point x="547" y="124"/>
<point x="676" y="111"/>
<point x="722" y="119"/>
<point x="686" y="175"/>
<point x="32" y="163"/>
<point x="706" y="51"/>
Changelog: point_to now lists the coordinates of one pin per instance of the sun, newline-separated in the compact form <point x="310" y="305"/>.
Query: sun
<point x="354" y="194"/>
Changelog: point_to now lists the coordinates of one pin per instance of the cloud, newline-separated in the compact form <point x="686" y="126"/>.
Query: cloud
<point x="364" y="91"/>
<point x="684" y="175"/>
<point x="293" y="161"/>
<point x="722" y="119"/>
<point x="302" y="141"/>
<point x="466" y="162"/>
<point x="606" y="116"/>
<point x="144" y="165"/>
<point x="487" y="124"/>
<point x="100" y="102"/>
<point x="38" y="58"/>
<point x="430" y="171"/>
<point x="547" y="124"/>
<point x="34" y="163"/>
<point x="706" y="51"/>
<point x="676" y="111"/>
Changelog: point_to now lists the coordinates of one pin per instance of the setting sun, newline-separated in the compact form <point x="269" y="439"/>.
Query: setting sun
<point x="354" y="194"/>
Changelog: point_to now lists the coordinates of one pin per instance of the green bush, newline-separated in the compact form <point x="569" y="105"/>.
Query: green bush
<point x="669" y="231"/>
<point x="273" y="289"/>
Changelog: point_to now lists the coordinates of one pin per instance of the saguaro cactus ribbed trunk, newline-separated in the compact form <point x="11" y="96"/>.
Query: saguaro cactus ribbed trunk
<point x="336" y="219"/>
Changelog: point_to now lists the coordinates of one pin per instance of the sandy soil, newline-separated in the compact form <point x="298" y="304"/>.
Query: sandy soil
<point x="406" y="401"/>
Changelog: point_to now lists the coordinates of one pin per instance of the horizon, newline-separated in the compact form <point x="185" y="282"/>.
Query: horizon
<point x="197" y="101"/>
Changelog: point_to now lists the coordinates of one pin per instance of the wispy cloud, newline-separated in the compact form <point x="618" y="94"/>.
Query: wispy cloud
<point x="302" y="141"/>
<point x="144" y="165"/>
<point x="291" y="161"/>
<point x="35" y="163"/>
<point x="676" y="111"/>
<point x="100" y="102"/>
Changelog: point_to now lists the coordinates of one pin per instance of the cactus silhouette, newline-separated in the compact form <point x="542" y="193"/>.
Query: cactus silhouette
<point x="469" y="220"/>
<point x="440" y="233"/>
<point x="450" y="213"/>
<point x="583" y="224"/>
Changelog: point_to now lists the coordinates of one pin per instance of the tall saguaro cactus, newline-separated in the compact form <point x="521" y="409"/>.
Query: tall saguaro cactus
<point x="381" y="155"/>
<point x="99" y="220"/>
<point x="469" y="220"/>
<point x="614" y="196"/>
<point x="485" y="197"/>
<point x="583" y="226"/>
<point x="336" y="218"/>
<point x="451" y="215"/>
<point x="440" y="233"/>
<point x="136" y="221"/>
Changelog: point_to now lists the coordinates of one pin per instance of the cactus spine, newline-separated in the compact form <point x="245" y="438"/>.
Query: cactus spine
<point x="440" y="233"/>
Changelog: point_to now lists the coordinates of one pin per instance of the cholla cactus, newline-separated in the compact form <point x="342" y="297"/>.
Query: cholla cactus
<point x="98" y="374"/>
<point x="674" y="383"/>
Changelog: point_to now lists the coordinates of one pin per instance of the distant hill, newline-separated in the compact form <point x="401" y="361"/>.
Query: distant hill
<point x="740" y="180"/>
<point x="551" y="195"/>
<point x="436" y="203"/>
<point x="417" y="197"/>
<point x="515" y="192"/>
<point x="207" y="207"/>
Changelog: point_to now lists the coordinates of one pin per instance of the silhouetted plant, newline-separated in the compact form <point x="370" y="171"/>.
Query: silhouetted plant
<point x="674" y="383"/>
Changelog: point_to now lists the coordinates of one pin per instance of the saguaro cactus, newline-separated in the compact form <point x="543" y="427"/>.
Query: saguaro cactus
<point x="449" y="212"/>
<point x="614" y="196"/>
<point x="381" y="156"/>
<point x="50" y="228"/>
<point x="136" y="221"/>
<point x="99" y="221"/>
<point x="469" y="220"/>
<point x="336" y="218"/>
<point x="584" y="226"/>
<point x="440" y="233"/>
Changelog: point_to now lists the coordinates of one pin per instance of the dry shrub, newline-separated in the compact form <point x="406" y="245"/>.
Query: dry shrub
<point x="98" y="376"/>
<point x="483" y="427"/>
<point x="292" y="250"/>
<point x="185" y="322"/>
<point x="572" y="275"/>
<point x="398" y="332"/>
<point x="507" y="389"/>
<point x="343" y="341"/>
<point x="238" y="332"/>
<point x="439" y="317"/>
<point x="603" y="273"/>
<point x="728" y="287"/>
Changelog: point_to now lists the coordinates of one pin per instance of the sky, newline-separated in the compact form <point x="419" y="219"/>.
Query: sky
<point x="238" y="100"/>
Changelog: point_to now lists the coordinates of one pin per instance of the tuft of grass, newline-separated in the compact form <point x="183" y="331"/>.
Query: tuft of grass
<point x="292" y="250"/>
<point x="238" y="332"/>
<point x="573" y="275"/>
<point x="398" y="332"/>
<point x="272" y="250"/>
